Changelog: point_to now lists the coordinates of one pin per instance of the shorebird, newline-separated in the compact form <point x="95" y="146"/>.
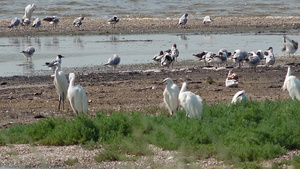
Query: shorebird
<point x="207" y="20"/>
<point x="36" y="23"/>
<point x="28" y="52"/>
<point x="167" y="60"/>
<point x="270" y="57"/>
<point x="171" y="94"/>
<point x="174" y="52"/>
<point x="113" y="61"/>
<point x="77" y="96"/>
<point x="183" y="20"/>
<point x="159" y="56"/>
<point x="239" y="96"/>
<point x="28" y="11"/>
<point x="113" y="21"/>
<point x="14" y="23"/>
<point x="292" y="84"/>
<point x="52" y="65"/>
<point x="61" y="85"/>
<point x="232" y="79"/>
<point x="239" y="56"/>
<point x="289" y="46"/>
<point x="54" y="20"/>
<point x="78" y="21"/>
<point x="25" y="22"/>
<point x="253" y="60"/>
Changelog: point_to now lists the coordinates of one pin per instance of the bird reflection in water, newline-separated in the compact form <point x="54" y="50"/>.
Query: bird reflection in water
<point x="78" y="42"/>
<point x="28" y="68"/>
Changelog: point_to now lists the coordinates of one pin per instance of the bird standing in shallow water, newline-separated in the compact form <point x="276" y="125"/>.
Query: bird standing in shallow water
<point x="171" y="94"/>
<point x="289" y="46"/>
<point x="61" y="85"/>
<point x="113" y="61"/>
<point x="28" y="53"/>
<point x="77" y="96"/>
<point x="191" y="103"/>
<point x="292" y="85"/>
<point x="113" y="21"/>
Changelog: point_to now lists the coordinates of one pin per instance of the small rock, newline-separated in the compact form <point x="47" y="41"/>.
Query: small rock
<point x="3" y="83"/>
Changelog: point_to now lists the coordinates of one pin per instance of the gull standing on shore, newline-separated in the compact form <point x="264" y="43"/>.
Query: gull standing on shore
<point x="28" y="11"/>
<point x="158" y="56"/>
<point x="54" y="20"/>
<point x="36" y="23"/>
<point x="26" y="22"/>
<point x="78" y="21"/>
<point x="113" y="61"/>
<point x="183" y="20"/>
<point x="239" y="56"/>
<point x="270" y="57"/>
<point x="207" y="20"/>
<point x="289" y="46"/>
<point x="14" y="23"/>
<point x="253" y="60"/>
<point x="113" y="21"/>
<point x="28" y="53"/>
<point x="52" y="65"/>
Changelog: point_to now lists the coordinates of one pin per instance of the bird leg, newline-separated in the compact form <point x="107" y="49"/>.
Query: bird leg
<point x="59" y="101"/>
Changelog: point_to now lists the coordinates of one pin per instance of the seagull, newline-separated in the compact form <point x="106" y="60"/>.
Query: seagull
<point x="226" y="51"/>
<point x="158" y="57"/>
<point x="28" y="11"/>
<point x="270" y="57"/>
<point x="201" y="56"/>
<point x="28" y="52"/>
<point x="209" y="57"/>
<point x="207" y="19"/>
<point x="167" y="60"/>
<point x="220" y="58"/>
<point x="239" y="96"/>
<point x="54" y="20"/>
<point x="113" y="21"/>
<point x="174" y="52"/>
<point x="78" y="21"/>
<point x="52" y="64"/>
<point x="289" y="46"/>
<point x="25" y="22"/>
<point x="113" y="61"/>
<point x="239" y="56"/>
<point x="183" y="19"/>
<point x="14" y="23"/>
<point x="253" y="60"/>
<point x="260" y="54"/>
<point x="232" y="79"/>
<point x="36" y="23"/>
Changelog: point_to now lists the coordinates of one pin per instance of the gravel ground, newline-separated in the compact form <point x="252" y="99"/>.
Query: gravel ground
<point x="23" y="97"/>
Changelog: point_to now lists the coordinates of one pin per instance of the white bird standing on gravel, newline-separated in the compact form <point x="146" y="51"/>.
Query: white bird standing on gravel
<point x="239" y="96"/>
<point x="113" y="21"/>
<point x="183" y="19"/>
<point x="77" y="96"/>
<point x="239" y="56"/>
<point x="28" y="53"/>
<point x="171" y="94"/>
<point x="191" y="103"/>
<point x="28" y="11"/>
<point x="61" y="85"/>
<point x="113" y="61"/>
<point x="53" y="20"/>
<point x="36" y="23"/>
<point x="78" y="21"/>
<point x="253" y="60"/>
<point x="289" y="46"/>
<point x="292" y="84"/>
<point x="207" y="20"/>
<point x="14" y="23"/>
<point x="270" y="57"/>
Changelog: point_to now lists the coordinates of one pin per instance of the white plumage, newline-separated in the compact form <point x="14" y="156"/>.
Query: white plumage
<point x="270" y="57"/>
<point x="207" y="19"/>
<point x="183" y="19"/>
<point x="292" y="85"/>
<point x="36" y="23"/>
<point x="159" y="56"/>
<point x="51" y="65"/>
<point x="77" y="96"/>
<point x="239" y="56"/>
<point x="14" y="23"/>
<point x="171" y="94"/>
<point x="113" y="21"/>
<point x="28" y="11"/>
<point x="113" y="61"/>
<point x="289" y="46"/>
<point x="191" y="103"/>
<point x="28" y="52"/>
<point x="78" y="21"/>
<point x="61" y="85"/>
<point x="239" y="96"/>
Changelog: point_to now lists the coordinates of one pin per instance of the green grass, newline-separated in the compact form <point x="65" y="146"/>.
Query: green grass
<point x="242" y="134"/>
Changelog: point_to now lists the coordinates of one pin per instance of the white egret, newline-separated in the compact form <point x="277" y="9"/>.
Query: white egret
<point x="171" y="94"/>
<point x="52" y="65"/>
<point x="191" y="103"/>
<point x="78" y="21"/>
<point x="113" y="21"/>
<point x="14" y="23"/>
<point x="113" y="61"/>
<point x="292" y="84"/>
<point x="28" y="11"/>
<point x="183" y="19"/>
<point x="239" y="96"/>
<point x="289" y="46"/>
<point x="77" y="96"/>
<point x="61" y="85"/>
<point x="28" y="52"/>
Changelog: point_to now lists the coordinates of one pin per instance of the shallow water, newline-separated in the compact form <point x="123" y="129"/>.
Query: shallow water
<point x="81" y="51"/>
<point x="154" y="8"/>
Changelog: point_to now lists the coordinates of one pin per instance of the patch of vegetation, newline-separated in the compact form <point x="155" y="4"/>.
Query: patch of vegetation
<point x="71" y="161"/>
<point x="243" y="133"/>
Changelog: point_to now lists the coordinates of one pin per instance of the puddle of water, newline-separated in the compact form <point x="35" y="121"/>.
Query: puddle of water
<point x="80" y="51"/>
